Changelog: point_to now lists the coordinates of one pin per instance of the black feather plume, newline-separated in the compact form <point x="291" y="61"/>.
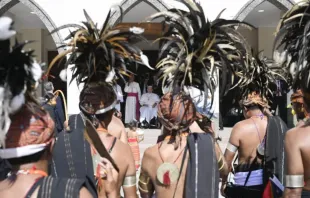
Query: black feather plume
<point x="100" y="54"/>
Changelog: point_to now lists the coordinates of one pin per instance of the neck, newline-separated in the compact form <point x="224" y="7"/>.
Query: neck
<point x="40" y="165"/>
<point x="253" y="113"/>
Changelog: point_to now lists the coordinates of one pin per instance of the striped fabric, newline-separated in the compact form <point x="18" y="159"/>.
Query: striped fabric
<point x="133" y="143"/>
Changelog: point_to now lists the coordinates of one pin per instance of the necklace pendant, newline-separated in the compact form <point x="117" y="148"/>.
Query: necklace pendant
<point x="167" y="174"/>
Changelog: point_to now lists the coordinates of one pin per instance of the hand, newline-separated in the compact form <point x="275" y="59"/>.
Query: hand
<point x="154" y="105"/>
<point x="110" y="175"/>
<point x="223" y="189"/>
<point x="66" y="125"/>
<point x="145" y="105"/>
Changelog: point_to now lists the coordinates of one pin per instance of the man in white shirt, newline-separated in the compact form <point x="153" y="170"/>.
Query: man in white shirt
<point x="148" y="103"/>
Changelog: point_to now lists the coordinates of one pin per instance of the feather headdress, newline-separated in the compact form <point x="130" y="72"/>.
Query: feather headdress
<point x="291" y="46"/>
<point x="261" y="79"/>
<point x="100" y="54"/>
<point x="19" y="76"/>
<point x="194" y="48"/>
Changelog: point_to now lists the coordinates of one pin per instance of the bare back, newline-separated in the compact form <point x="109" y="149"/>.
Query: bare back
<point x="297" y="148"/>
<point x="247" y="135"/>
<point x="117" y="129"/>
<point x="122" y="155"/>
<point x="152" y="160"/>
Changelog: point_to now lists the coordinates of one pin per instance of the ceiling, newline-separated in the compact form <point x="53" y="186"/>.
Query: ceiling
<point x="23" y="18"/>
<point x="269" y="18"/>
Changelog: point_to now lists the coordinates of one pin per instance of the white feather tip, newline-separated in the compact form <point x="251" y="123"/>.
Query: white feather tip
<point x="63" y="75"/>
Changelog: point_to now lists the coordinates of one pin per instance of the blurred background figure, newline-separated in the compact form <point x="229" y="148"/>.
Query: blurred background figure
<point x="148" y="108"/>
<point x="279" y="100"/>
<point x="53" y="104"/>
<point x="120" y="99"/>
<point x="132" y="109"/>
<point x="134" y="135"/>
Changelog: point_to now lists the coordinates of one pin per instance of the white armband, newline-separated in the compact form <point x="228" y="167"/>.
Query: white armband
<point x="231" y="148"/>
<point x="294" y="181"/>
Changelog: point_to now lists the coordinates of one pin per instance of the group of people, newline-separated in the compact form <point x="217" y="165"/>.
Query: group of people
<point x="139" y="107"/>
<point x="92" y="157"/>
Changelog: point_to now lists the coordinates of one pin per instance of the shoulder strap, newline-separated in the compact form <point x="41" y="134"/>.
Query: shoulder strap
<point x="113" y="144"/>
<point x="250" y="171"/>
<point x="34" y="187"/>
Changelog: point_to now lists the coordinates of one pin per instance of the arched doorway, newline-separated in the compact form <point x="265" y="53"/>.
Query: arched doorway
<point x="5" y="5"/>
<point x="33" y="23"/>
<point x="252" y="4"/>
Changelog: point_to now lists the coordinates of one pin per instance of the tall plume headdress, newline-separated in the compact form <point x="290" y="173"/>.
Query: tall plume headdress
<point x="261" y="78"/>
<point x="100" y="54"/>
<point x="291" y="46"/>
<point x="19" y="76"/>
<point x="194" y="48"/>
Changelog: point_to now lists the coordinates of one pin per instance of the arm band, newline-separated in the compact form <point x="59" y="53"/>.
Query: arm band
<point x="129" y="181"/>
<point x="145" y="183"/>
<point x="231" y="148"/>
<point x="294" y="181"/>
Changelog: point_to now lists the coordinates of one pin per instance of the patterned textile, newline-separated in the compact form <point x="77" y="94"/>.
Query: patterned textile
<point x="176" y="112"/>
<point x="28" y="128"/>
<point x="134" y="145"/>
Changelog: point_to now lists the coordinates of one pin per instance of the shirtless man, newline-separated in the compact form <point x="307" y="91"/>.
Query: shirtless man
<point x="245" y="137"/>
<point x="162" y="161"/>
<point x="117" y="129"/>
<point x="119" y="151"/>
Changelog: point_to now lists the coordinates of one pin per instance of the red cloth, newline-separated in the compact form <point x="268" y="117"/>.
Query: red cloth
<point x="137" y="104"/>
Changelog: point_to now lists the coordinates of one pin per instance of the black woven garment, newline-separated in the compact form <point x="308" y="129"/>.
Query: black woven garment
<point x="202" y="175"/>
<point x="72" y="155"/>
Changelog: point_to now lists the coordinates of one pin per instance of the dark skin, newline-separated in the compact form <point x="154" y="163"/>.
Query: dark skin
<point x="297" y="151"/>
<point x="121" y="154"/>
<point x="244" y="135"/>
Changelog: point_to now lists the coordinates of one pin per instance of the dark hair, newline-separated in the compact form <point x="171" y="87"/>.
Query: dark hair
<point x="96" y="94"/>
<point x="133" y="124"/>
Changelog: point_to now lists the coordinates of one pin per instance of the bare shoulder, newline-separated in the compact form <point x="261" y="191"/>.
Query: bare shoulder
<point x="298" y="135"/>
<point x="118" y="121"/>
<point x="149" y="153"/>
<point x="240" y="126"/>
<point x="121" y="147"/>
<point x="84" y="193"/>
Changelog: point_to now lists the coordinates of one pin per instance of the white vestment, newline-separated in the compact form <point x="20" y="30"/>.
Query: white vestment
<point x="147" y="111"/>
<point x="130" y="110"/>
<point x="119" y="94"/>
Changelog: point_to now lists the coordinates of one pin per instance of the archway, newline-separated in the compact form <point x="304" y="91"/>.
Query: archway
<point x="128" y="5"/>
<point x="5" y="5"/>
<point x="252" y="4"/>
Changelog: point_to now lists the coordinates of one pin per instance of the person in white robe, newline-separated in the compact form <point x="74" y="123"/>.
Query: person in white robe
<point x="148" y="103"/>
<point x="120" y="98"/>
<point x="132" y="108"/>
